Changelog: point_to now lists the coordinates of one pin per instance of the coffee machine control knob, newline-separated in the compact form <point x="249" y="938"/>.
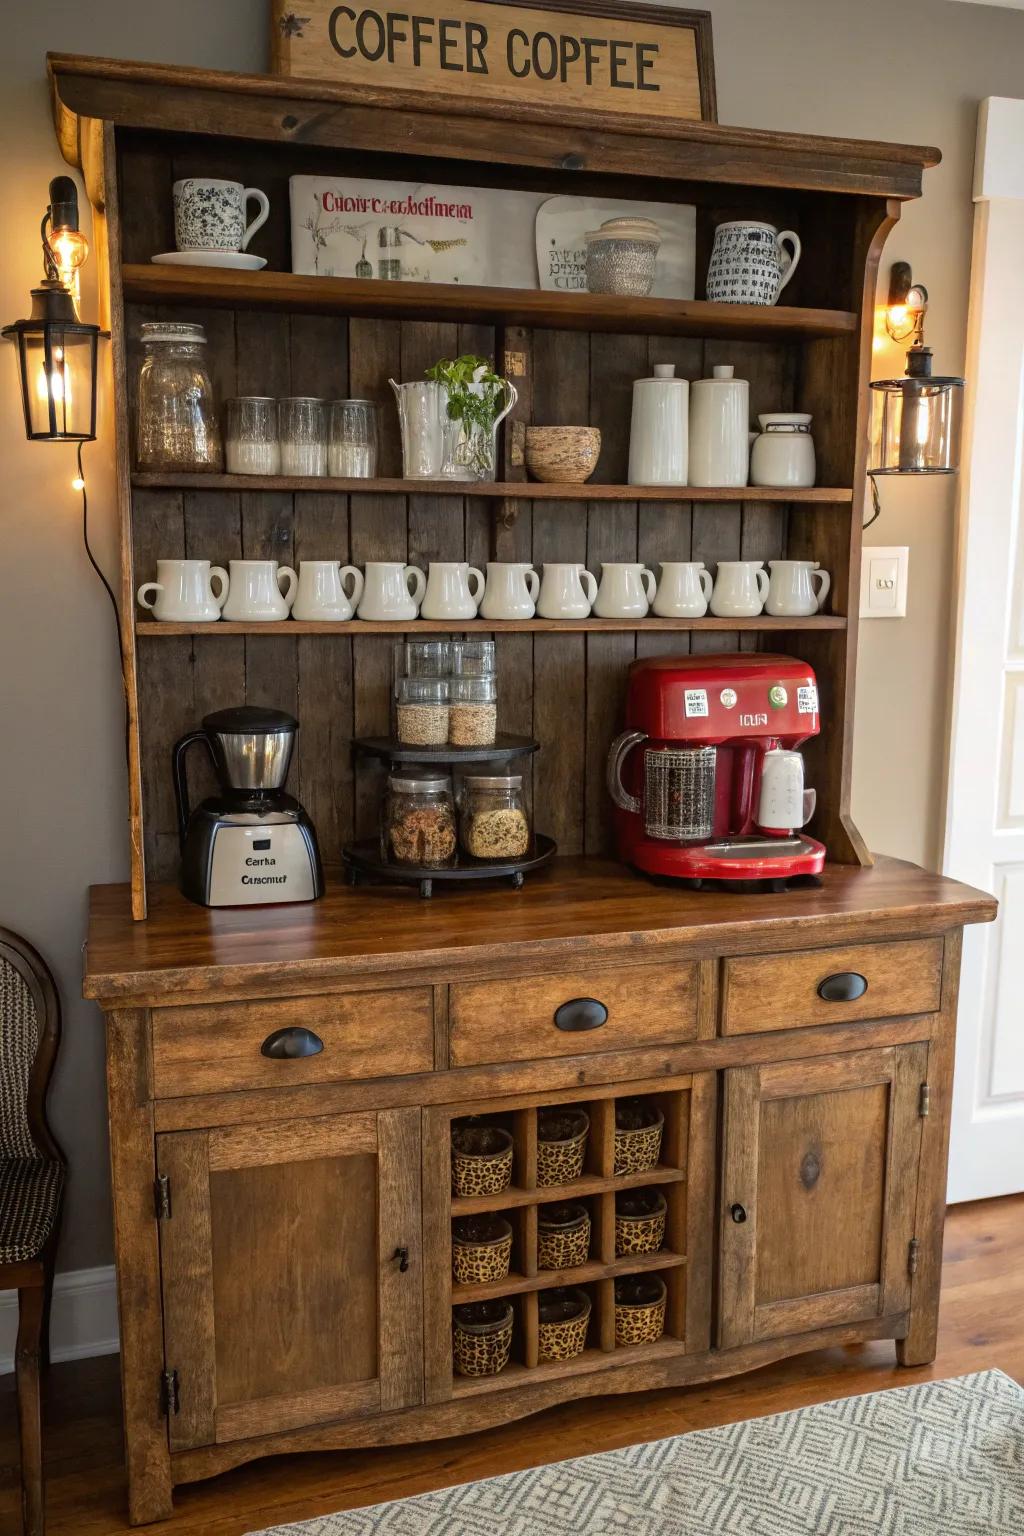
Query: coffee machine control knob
<point x="783" y="804"/>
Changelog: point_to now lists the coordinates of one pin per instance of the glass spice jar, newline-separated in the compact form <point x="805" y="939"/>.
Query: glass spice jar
<point x="473" y="720"/>
<point x="422" y="711"/>
<point x="176" y="420"/>
<point x="418" y="821"/>
<point x="493" y="822"/>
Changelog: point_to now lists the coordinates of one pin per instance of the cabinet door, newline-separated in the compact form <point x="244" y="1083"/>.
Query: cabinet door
<point x="819" y="1191"/>
<point x="284" y="1303"/>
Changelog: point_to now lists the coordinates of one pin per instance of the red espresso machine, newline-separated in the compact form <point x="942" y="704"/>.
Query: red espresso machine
<point x="707" y="781"/>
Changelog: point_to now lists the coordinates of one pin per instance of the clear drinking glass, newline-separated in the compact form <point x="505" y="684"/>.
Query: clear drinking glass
<point x="176" y="422"/>
<point x="302" y="434"/>
<point x="352" y="439"/>
<point x="250" y="437"/>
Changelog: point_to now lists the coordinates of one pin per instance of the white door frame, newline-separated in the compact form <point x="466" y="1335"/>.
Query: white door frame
<point x="984" y="836"/>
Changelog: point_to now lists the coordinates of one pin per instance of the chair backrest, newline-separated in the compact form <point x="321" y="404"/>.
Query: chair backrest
<point x="29" y="1038"/>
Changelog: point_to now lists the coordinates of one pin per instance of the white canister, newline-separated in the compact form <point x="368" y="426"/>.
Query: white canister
<point x="659" y="429"/>
<point x="454" y="590"/>
<point x="626" y="591"/>
<point x="684" y="590"/>
<point x="511" y="590"/>
<point x="719" y="429"/>
<point x="783" y="452"/>
<point x="791" y="593"/>
<point x="740" y="590"/>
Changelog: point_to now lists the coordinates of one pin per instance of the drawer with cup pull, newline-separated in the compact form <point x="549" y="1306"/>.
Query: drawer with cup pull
<point x="831" y="986"/>
<point x="332" y="1038"/>
<point x="527" y="1017"/>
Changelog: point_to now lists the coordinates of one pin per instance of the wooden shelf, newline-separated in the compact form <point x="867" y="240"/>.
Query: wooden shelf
<point x="203" y="286"/>
<point x="225" y="628"/>
<point x="498" y="490"/>
<point x="591" y="1184"/>
<point x="584" y="1274"/>
<point x="592" y="1359"/>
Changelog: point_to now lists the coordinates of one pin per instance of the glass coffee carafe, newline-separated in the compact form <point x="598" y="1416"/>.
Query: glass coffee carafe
<point x="176" y="418"/>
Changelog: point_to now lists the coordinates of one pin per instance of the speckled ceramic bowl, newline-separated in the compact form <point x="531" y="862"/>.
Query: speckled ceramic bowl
<point x="566" y="454"/>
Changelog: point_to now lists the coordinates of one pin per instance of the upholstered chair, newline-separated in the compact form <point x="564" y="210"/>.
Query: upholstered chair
<point x="32" y="1171"/>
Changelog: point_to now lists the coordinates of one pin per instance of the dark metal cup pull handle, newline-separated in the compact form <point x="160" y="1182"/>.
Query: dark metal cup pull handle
<point x="402" y="1255"/>
<point x="289" y="1044"/>
<point x="581" y="1013"/>
<point x="738" y="1214"/>
<point x="843" y="987"/>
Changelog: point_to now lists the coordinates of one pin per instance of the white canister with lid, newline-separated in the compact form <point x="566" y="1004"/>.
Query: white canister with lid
<point x="783" y="453"/>
<point x="719" y="429"/>
<point x="659" y="429"/>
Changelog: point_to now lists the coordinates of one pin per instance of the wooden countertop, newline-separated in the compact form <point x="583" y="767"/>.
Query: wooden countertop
<point x="579" y="907"/>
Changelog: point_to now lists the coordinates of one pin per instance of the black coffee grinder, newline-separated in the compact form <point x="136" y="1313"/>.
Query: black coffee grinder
<point x="252" y="843"/>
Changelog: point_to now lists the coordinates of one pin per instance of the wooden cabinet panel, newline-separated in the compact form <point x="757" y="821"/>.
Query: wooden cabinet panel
<point x="283" y="1302"/>
<point x="514" y="1020"/>
<point x="216" y="1048"/>
<point x="819" y="1188"/>
<point x="765" y="992"/>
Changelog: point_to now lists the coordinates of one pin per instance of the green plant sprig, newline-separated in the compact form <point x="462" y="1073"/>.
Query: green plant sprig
<point x="475" y="391"/>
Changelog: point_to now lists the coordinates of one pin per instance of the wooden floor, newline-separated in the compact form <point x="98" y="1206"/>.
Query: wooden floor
<point x="982" y="1326"/>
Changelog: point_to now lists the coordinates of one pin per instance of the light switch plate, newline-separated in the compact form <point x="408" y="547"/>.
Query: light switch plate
<point x="883" y="581"/>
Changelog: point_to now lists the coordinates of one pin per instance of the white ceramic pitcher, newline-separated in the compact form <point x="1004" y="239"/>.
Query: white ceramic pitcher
<point x="740" y="590"/>
<point x="626" y="591"/>
<point x="566" y="592"/>
<point x="386" y="592"/>
<point x="321" y="595"/>
<point x="183" y="591"/>
<point x="791" y="593"/>
<point x="454" y="590"/>
<point x="683" y="591"/>
<point x="255" y="594"/>
<point x="511" y="590"/>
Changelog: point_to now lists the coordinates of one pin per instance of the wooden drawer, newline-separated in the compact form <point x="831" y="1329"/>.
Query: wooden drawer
<point x="218" y="1047"/>
<point x="765" y="992"/>
<point x="514" y="1020"/>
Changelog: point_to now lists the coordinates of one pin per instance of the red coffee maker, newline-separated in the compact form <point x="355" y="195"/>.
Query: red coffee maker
<point x="707" y="781"/>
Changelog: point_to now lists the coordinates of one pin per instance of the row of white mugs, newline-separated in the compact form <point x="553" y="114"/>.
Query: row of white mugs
<point x="194" y="591"/>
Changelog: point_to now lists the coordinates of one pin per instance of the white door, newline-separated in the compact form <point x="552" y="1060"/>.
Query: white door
<point x="985" y="801"/>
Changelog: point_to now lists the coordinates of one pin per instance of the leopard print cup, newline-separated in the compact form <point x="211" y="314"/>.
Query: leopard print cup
<point x="561" y="1145"/>
<point x="482" y="1338"/>
<point x="563" y="1236"/>
<point x="639" y="1309"/>
<point x="481" y="1159"/>
<point x="481" y="1249"/>
<point x="638" y="1131"/>
<point x="639" y="1221"/>
<point x="563" y="1316"/>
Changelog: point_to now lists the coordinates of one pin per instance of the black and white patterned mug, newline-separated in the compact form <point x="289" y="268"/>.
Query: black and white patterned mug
<point x="750" y="263"/>
<point x="209" y="215"/>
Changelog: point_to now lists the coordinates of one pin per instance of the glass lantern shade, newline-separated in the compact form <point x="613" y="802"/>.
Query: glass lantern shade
<point x="915" y="425"/>
<point x="57" y="358"/>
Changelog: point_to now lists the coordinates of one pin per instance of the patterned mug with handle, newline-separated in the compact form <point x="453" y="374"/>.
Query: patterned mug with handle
<point x="750" y="262"/>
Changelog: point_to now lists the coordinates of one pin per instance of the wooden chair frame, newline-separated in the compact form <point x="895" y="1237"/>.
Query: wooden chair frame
<point x="33" y="1278"/>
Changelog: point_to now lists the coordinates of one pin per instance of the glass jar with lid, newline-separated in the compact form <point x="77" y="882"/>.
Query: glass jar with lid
<point x="472" y="658"/>
<point x="473" y="719"/>
<point x="422" y="711"/>
<point x="417" y="824"/>
<point x="176" y="419"/>
<point x="493" y="820"/>
<point x="427" y="658"/>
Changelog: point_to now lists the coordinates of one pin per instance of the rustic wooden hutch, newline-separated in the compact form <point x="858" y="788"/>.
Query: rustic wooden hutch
<point x="262" y="1303"/>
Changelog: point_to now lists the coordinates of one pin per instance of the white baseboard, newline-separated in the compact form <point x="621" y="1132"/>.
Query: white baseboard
<point x="83" y="1322"/>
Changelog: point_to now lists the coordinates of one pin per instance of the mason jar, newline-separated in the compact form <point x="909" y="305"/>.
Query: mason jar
<point x="175" y="415"/>
<point x="493" y="823"/>
<point x="418" y="820"/>
<point x="422" y="711"/>
<point x="473" y="721"/>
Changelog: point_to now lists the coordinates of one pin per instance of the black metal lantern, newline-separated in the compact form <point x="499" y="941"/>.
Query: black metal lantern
<point x="56" y="350"/>
<point x="915" y="426"/>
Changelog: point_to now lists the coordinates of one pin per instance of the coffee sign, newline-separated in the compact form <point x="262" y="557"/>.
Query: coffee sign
<point x="630" y="59"/>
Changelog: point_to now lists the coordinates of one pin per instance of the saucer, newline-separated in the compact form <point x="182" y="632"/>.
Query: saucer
<point x="239" y="261"/>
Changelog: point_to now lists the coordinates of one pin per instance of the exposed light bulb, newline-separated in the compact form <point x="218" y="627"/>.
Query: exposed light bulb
<point x="78" y="484"/>
<point x="70" y="251"/>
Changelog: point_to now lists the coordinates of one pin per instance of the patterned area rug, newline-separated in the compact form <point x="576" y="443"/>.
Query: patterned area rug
<point x="942" y="1459"/>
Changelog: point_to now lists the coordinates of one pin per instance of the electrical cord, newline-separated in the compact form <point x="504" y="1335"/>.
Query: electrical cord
<point x="110" y="593"/>
<point x="875" y="502"/>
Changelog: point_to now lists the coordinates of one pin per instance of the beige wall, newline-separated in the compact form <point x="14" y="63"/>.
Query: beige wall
<point x="815" y="65"/>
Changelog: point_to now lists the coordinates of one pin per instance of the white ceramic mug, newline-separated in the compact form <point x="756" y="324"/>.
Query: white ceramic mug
<point x="740" y="589"/>
<point x="184" y="591"/>
<point x="255" y="596"/>
<point x="386" y="592"/>
<point x="511" y="590"/>
<point x="750" y="263"/>
<point x="791" y="593"/>
<point x="321" y="595"/>
<point x="566" y="592"/>
<point x="454" y="590"/>
<point x="626" y="591"/>
<point x="684" y="590"/>
<point x="209" y="215"/>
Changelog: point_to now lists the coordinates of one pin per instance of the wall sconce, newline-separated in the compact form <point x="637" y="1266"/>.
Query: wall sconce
<point x="56" y="350"/>
<point x="915" y="420"/>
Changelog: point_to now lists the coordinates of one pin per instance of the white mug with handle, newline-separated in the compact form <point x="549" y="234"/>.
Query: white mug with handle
<point x="183" y="592"/>
<point x="255" y="596"/>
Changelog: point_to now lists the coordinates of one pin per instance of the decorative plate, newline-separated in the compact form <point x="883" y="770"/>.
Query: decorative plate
<point x="562" y="224"/>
